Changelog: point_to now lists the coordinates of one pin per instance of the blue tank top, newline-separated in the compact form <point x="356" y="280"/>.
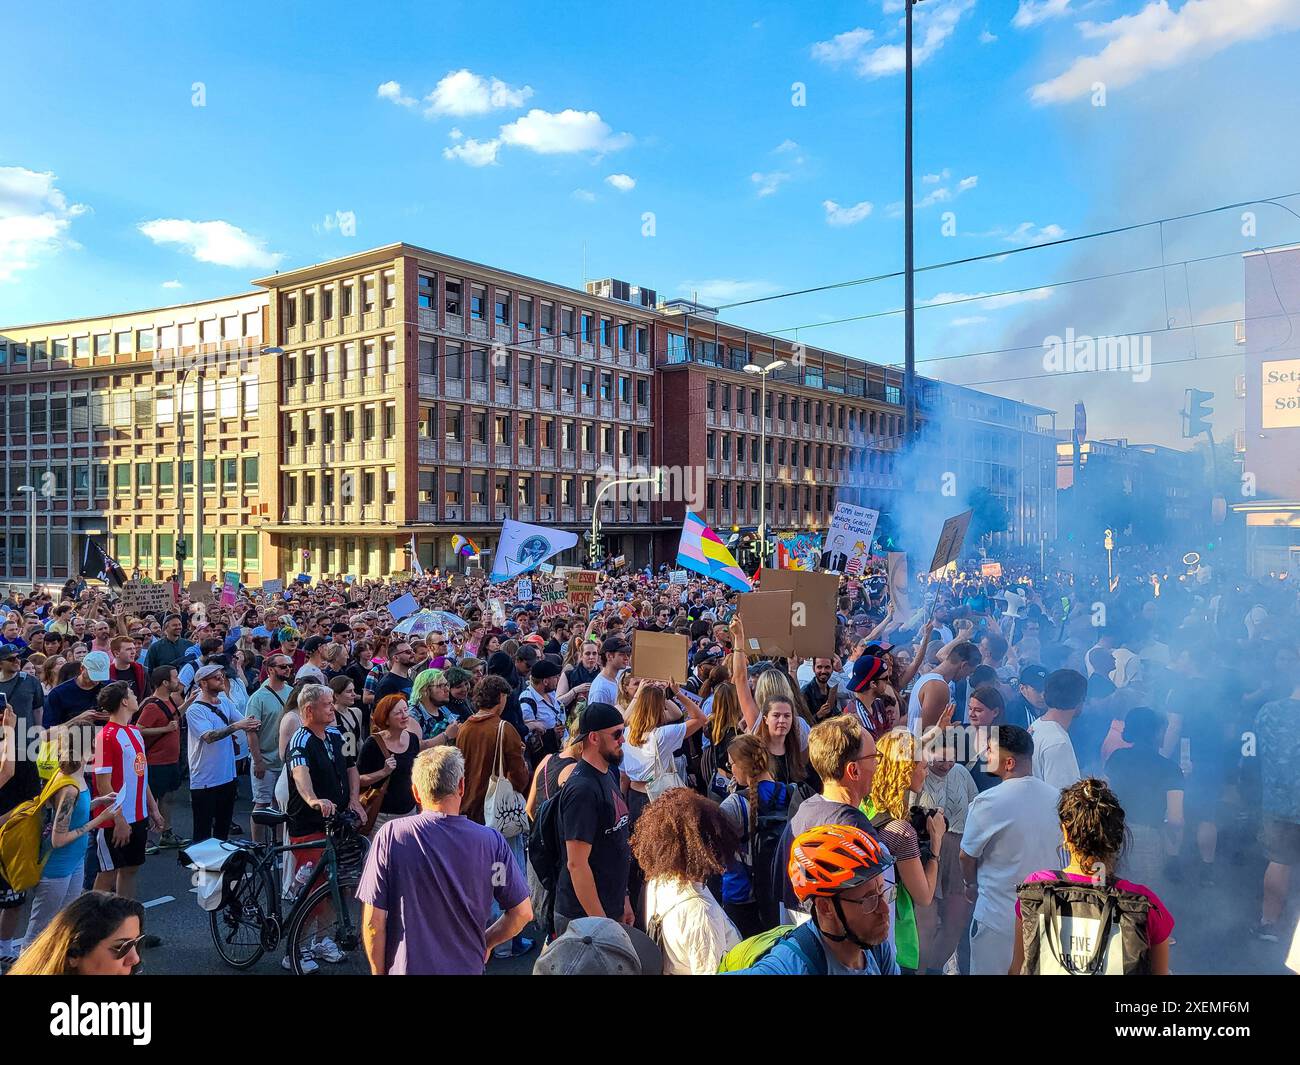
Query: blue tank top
<point x="65" y="860"/>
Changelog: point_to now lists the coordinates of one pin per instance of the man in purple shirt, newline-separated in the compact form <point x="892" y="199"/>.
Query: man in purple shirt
<point x="430" y="880"/>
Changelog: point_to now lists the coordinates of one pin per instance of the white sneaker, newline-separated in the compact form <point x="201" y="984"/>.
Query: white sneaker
<point x="325" y="949"/>
<point x="308" y="966"/>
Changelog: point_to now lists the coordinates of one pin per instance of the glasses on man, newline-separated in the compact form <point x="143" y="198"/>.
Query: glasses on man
<point x="871" y="903"/>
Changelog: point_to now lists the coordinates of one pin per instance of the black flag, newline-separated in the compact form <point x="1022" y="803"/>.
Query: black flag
<point x="95" y="563"/>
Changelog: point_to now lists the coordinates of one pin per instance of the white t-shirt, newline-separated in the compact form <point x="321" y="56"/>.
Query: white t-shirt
<point x="211" y="764"/>
<point x="695" y="931"/>
<point x="914" y="700"/>
<point x="603" y="691"/>
<point x="639" y="762"/>
<point x="1013" y="830"/>
<point x="1054" y="760"/>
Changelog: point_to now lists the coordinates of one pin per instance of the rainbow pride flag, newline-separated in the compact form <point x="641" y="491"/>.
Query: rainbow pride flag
<point x="702" y="551"/>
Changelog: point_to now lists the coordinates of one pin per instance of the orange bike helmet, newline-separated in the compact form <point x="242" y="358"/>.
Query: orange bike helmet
<point x="829" y="859"/>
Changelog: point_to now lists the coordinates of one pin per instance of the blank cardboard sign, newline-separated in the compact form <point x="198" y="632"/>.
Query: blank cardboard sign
<point x="659" y="656"/>
<point x="766" y="617"/>
<point x="816" y="593"/>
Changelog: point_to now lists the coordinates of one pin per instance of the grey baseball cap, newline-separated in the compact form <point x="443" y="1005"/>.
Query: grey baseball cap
<point x="597" y="946"/>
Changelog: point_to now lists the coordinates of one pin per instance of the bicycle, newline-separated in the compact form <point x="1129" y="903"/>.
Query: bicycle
<point x="250" y="921"/>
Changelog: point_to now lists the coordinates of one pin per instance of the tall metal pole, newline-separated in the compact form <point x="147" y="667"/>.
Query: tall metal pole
<point x="29" y="490"/>
<point x="762" y="468"/>
<point x="198" y="477"/>
<point x="909" y="295"/>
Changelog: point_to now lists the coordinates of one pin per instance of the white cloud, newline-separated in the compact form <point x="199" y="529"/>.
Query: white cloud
<point x="941" y="194"/>
<point x="474" y="153"/>
<point x="934" y="179"/>
<point x="843" y="47"/>
<point x="846" y="216"/>
<point x="1028" y="233"/>
<point x="550" y="133"/>
<point x="215" y="242"/>
<point x="770" y="182"/>
<point x="934" y="23"/>
<point x="988" y="302"/>
<point x="986" y="37"/>
<point x="34" y="219"/>
<point x="171" y="284"/>
<point x="392" y="90"/>
<point x="466" y="93"/>
<point x="786" y="145"/>
<point x="725" y="290"/>
<point x="974" y="319"/>
<point x="968" y="183"/>
<point x="1157" y="38"/>
<point x="622" y="182"/>
<point x="455" y="134"/>
<point x="1031" y="12"/>
<point x="585" y="195"/>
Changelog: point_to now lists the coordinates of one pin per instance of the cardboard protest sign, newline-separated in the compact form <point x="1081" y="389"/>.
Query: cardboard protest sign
<point x="766" y="618"/>
<point x="274" y="586"/>
<point x="812" y="608"/>
<point x="403" y="606"/>
<point x="554" y="603"/>
<point x="199" y="591"/>
<point x="990" y="569"/>
<point x="951" y="538"/>
<point x="143" y="597"/>
<point x="581" y="589"/>
<point x="498" y="612"/>
<point x="848" y="540"/>
<point x="677" y="576"/>
<point x="659" y="656"/>
<point x="524" y="590"/>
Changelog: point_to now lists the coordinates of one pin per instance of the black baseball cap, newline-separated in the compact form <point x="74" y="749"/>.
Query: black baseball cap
<point x="9" y="650"/>
<point x="1034" y="676"/>
<point x="596" y="717"/>
<point x="866" y="669"/>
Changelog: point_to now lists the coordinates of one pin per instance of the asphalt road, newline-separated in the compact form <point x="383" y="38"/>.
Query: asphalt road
<point x="1210" y="934"/>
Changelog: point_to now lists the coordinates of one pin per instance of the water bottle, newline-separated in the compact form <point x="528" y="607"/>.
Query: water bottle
<point x="302" y="877"/>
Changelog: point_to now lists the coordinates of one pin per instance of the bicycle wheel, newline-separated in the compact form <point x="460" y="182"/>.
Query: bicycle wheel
<point x="240" y="925"/>
<point x="321" y="930"/>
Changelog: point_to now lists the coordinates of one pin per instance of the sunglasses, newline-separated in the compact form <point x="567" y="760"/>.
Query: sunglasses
<point x="121" y="950"/>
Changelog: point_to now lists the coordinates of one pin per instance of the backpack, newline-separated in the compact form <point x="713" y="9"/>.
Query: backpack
<point x="21" y="861"/>
<point x="749" y="952"/>
<point x="750" y="877"/>
<point x="547" y="855"/>
<point x="1104" y="928"/>
<point x="712" y="779"/>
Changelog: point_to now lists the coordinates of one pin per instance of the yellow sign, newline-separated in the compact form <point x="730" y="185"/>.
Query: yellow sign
<point x="1280" y="394"/>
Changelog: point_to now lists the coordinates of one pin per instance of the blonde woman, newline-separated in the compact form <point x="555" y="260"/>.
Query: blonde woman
<point x="900" y="770"/>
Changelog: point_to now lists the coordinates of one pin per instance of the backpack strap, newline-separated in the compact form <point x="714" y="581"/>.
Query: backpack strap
<point x="808" y="943"/>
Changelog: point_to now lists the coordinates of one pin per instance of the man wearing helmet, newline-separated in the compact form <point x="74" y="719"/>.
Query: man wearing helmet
<point x="840" y="870"/>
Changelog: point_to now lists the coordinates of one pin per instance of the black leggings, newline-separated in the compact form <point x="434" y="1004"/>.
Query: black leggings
<point x="213" y="810"/>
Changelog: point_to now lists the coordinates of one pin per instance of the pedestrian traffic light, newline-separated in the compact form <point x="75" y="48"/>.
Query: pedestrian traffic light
<point x="1198" y="413"/>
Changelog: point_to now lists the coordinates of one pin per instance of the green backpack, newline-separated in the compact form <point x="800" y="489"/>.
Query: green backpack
<point x="21" y="861"/>
<point x="746" y="954"/>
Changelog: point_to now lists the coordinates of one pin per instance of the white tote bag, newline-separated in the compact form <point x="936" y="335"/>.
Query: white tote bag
<point x="666" y="776"/>
<point x="504" y="808"/>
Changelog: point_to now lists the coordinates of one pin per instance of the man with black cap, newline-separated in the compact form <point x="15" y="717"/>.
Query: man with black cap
<point x="543" y="716"/>
<point x="594" y="824"/>
<point x="867" y="683"/>
<point x="21" y="690"/>
<point x="615" y="655"/>
<point x="1029" y="704"/>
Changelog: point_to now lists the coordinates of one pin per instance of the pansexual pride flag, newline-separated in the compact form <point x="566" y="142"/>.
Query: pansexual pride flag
<point x="703" y="552"/>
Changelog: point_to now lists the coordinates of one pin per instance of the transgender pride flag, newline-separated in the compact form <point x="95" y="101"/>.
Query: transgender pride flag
<point x="703" y="552"/>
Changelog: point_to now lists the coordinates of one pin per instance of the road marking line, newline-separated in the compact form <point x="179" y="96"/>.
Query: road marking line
<point x="161" y="901"/>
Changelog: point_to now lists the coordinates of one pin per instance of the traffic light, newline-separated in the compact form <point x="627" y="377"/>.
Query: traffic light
<point x="181" y="552"/>
<point x="1198" y="413"/>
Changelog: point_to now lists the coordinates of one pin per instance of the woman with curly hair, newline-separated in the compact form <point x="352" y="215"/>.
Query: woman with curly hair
<point x="1092" y="824"/>
<point x="900" y="770"/>
<point x="680" y="841"/>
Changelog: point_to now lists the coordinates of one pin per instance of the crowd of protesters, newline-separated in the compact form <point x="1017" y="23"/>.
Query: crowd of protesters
<point x="966" y="754"/>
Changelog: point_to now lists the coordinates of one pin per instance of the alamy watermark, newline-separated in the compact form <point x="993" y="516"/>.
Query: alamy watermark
<point x="1112" y="354"/>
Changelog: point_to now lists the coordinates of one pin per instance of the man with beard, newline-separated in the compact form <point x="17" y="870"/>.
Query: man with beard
<point x="594" y="824"/>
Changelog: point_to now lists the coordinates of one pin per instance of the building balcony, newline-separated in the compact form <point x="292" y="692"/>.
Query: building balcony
<point x="478" y="512"/>
<point x="427" y="450"/>
<point x="454" y="512"/>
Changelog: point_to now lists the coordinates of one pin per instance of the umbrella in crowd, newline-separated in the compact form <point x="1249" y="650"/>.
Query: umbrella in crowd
<point x="423" y="622"/>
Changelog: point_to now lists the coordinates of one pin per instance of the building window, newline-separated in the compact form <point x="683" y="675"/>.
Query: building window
<point x="587" y="321"/>
<point x="291" y="311"/>
<point x="143" y="475"/>
<point x="548" y="319"/>
<point x="642" y="340"/>
<point x="250" y="549"/>
<point x="103" y="344"/>
<point x="348" y="289"/>
<point x="327" y="304"/>
<point x="368" y="293"/>
<point x="604" y="332"/>
<point x="502" y="307"/>
<point x="165" y="472"/>
<point x="622" y="336"/>
<point x="642" y="391"/>
<point x="121" y="478"/>
<point x="548" y="376"/>
<point x="428" y="356"/>
<point x="451" y="296"/>
<point x="525" y="364"/>
<point x="477" y="303"/>
<point x="308" y="307"/>
<point x="390" y="289"/>
<point x="525" y="312"/>
<point x="453" y="431"/>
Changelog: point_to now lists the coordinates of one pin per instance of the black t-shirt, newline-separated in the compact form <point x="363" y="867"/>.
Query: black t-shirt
<point x="392" y="684"/>
<point x="399" y="798"/>
<point x="553" y="647"/>
<point x="1140" y="778"/>
<point x="593" y="810"/>
<point x="578" y="675"/>
<point x="328" y="767"/>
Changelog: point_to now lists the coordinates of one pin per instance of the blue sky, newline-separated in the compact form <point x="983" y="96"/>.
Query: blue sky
<point x="532" y="136"/>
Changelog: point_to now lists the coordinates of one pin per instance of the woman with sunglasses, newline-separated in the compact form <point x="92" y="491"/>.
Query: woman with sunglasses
<point x="97" y="934"/>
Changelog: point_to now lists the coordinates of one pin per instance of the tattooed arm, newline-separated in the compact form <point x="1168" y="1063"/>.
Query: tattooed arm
<point x="66" y="801"/>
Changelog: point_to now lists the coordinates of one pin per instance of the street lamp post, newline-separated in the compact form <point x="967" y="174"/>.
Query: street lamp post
<point x="762" y="372"/>
<point x="909" y="294"/>
<point x="656" y="480"/>
<point x="30" y="490"/>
